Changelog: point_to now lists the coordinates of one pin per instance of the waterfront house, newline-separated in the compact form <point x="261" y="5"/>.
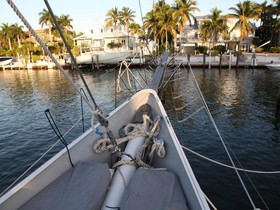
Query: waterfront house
<point x="103" y="38"/>
<point x="190" y="37"/>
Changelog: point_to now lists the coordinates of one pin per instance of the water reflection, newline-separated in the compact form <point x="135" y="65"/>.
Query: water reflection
<point x="242" y="103"/>
<point x="25" y="133"/>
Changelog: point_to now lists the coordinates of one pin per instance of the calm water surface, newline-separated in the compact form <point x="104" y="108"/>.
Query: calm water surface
<point x="242" y="103"/>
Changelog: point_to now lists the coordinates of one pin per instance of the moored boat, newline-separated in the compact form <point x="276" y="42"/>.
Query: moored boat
<point x="46" y="179"/>
<point x="131" y="159"/>
<point x="273" y="66"/>
<point x="102" y="57"/>
<point x="121" y="162"/>
<point x="5" y="60"/>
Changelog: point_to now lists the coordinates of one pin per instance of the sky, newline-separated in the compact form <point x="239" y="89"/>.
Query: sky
<point x="88" y="13"/>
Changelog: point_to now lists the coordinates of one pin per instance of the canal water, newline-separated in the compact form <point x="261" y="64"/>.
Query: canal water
<point x="242" y="103"/>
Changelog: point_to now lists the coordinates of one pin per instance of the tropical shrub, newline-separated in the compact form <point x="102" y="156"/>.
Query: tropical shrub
<point x="259" y="50"/>
<point x="220" y="49"/>
<point x="214" y="52"/>
<point x="113" y="45"/>
<point x="274" y="50"/>
<point x="201" y="49"/>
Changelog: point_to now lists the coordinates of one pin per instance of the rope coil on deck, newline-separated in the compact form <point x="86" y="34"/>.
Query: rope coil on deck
<point x="132" y="131"/>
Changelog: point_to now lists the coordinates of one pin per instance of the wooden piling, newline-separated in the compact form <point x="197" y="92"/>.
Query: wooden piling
<point x="237" y="60"/>
<point x="204" y="60"/>
<point x="254" y="60"/>
<point x="220" y="61"/>
<point x="92" y="62"/>
<point x="277" y="112"/>
<point x="97" y="61"/>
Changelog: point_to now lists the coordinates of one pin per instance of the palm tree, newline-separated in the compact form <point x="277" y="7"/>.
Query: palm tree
<point x="127" y="16"/>
<point x="46" y="19"/>
<point x="135" y="29"/>
<point x="113" y="18"/>
<point x="276" y="24"/>
<point x="215" y="26"/>
<point x="18" y="32"/>
<point x="183" y="14"/>
<point x="244" y="12"/>
<point x="166" y="23"/>
<point x="7" y="33"/>
<point x="64" y="22"/>
<point x="204" y="32"/>
<point x="264" y="11"/>
<point x="264" y="32"/>
<point x="150" y="24"/>
<point x="277" y="6"/>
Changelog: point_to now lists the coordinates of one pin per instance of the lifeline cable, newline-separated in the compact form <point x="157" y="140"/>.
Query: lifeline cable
<point x="228" y="166"/>
<point x="102" y="120"/>
<point x="221" y="138"/>
<point x="39" y="159"/>
<point x="58" y="133"/>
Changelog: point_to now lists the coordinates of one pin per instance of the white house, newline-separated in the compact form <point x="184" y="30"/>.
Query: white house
<point x="190" y="37"/>
<point x="118" y="39"/>
<point x="102" y="38"/>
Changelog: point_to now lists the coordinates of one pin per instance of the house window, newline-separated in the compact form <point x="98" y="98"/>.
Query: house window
<point x="101" y="30"/>
<point x="112" y="30"/>
<point x="91" y="31"/>
<point x="123" y="42"/>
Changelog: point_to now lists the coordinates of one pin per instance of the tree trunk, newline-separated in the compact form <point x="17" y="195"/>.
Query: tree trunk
<point x="181" y="32"/>
<point x="10" y="44"/>
<point x="19" y="44"/>
<point x="166" y="40"/>
<point x="50" y="32"/>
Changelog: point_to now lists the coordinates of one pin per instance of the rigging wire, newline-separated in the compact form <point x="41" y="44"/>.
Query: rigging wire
<point x="228" y="166"/>
<point x="58" y="133"/>
<point x="101" y="119"/>
<point x="221" y="138"/>
<point x="45" y="48"/>
<point x="70" y="53"/>
<point x="40" y="158"/>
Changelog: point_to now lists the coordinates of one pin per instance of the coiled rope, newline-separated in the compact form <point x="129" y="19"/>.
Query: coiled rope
<point x="132" y="131"/>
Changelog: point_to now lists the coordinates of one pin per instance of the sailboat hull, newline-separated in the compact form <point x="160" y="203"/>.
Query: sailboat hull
<point x="5" y="60"/>
<point x="104" y="58"/>
<point x="81" y="150"/>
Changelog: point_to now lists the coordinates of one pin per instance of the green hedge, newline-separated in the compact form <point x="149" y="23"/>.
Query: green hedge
<point x="274" y="50"/>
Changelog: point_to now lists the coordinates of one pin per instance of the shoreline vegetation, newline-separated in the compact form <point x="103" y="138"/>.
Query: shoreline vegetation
<point x="164" y="25"/>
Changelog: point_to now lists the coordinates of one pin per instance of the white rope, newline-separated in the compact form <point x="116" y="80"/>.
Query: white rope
<point x="104" y="144"/>
<point x="228" y="166"/>
<point x="139" y="130"/>
<point x="158" y="147"/>
<point x="127" y="71"/>
<point x="190" y="116"/>
<point x="210" y="202"/>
